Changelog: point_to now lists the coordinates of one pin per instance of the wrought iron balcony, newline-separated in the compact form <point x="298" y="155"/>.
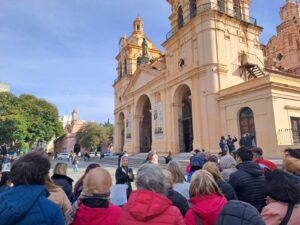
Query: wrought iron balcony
<point x="236" y="13"/>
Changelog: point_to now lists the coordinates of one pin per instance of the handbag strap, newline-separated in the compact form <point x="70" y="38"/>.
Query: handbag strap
<point x="288" y="215"/>
<point x="198" y="219"/>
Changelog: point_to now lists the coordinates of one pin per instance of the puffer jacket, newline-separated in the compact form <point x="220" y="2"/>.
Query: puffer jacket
<point x="147" y="207"/>
<point x="207" y="207"/>
<point x="97" y="216"/>
<point x="179" y="201"/>
<point x="239" y="213"/>
<point x="227" y="190"/>
<point x="249" y="184"/>
<point x="28" y="204"/>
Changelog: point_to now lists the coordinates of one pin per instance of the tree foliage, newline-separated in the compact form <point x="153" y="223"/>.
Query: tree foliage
<point x="92" y="135"/>
<point x="26" y="119"/>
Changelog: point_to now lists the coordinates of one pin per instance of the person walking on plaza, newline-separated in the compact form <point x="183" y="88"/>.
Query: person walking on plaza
<point x="223" y="144"/>
<point x="124" y="175"/>
<point x="93" y="207"/>
<point x="26" y="202"/>
<point x="230" y="143"/>
<point x="283" y="201"/>
<point x="206" y="198"/>
<point x="248" y="181"/>
<point x="75" y="162"/>
<point x="149" y="204"/>
<point x="263" y="163"/>
<point x="61" y="179"/>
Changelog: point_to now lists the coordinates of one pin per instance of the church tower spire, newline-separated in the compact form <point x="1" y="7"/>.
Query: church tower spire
<point x="138" y="25"/>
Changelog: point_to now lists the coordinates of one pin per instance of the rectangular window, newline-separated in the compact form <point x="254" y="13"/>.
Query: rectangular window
<point x="295" y="124"/>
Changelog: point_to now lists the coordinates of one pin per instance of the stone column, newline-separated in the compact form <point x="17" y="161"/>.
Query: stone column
<point x="136" y="133"/>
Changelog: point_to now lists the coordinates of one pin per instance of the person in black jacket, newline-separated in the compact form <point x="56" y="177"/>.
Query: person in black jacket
<point x="248" y="181"/>
<point x="238" y="212"/>
<point x="124" y="175"/>
<point x="225" y="187"/>
<point x="175" y="197"/>
<point x="61" y="179"/>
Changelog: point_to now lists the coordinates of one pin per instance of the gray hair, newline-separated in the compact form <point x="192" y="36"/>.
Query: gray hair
<point x="150" y="177"/>
<point x="124" y="157"/>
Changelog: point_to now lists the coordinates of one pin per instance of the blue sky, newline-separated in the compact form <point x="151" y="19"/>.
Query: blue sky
<point x="64" y="50"/>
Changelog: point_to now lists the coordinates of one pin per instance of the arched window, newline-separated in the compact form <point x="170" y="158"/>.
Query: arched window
<point x="125" y="66"/>
<point x="221" y="5"/>
<point x="237" y="12"/>
<point x="193" y="8"/>
<point x="247" y="125"/>
<point x="180" y="17"/>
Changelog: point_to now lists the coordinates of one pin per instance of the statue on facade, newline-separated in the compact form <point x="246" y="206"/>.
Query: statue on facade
<point x="145" y="47"/>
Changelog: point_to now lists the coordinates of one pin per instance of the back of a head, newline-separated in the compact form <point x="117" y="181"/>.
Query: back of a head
<point x="30" y="169"/>
<point x="213" y="169"/>
<point x="295" y="153"/>
<point x="291" y="162"/>
<point x="257" y="151"/>
<point x="60" y="169"/>
<point x="203" y="183"/>
<point x="150" y="177"/>
<point x="90" y="167"/>
<point x="227" y="162"/>
<point x="5" y="177"/>
<point x="245" y="154"/>
<point x="282" y="187"/>
<point x="197" y="162"/>
<point x="174" y="168"/>
<point x="169" y="179"/>
<point x="238" y="212"/>
<point x="97" y="182"/>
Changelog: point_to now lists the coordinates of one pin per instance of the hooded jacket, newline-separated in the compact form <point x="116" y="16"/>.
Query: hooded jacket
<point x="249" y="184"/>
<point x="147" y="207"/>
<point x="207" y="207"/>
<point x="97" y="216"/>
<point x="239" y="213"/>
<point x="28" y="204"/>
<point x="64" y="182"/>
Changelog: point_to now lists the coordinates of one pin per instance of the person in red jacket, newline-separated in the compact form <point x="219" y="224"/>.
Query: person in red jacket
<point x="206" y="198"/>
<point x="263" y="163"/>
<point x="149" y="204"/>
<point x="94" y="206"/>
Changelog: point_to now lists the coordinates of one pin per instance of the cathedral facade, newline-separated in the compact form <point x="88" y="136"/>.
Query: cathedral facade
<point x="211" y="81"/>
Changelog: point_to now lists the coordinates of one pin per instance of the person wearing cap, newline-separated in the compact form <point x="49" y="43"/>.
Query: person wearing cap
<point x="196" y="163"/>
<point x="124" y="175"/>
<point x="93" y="206"/>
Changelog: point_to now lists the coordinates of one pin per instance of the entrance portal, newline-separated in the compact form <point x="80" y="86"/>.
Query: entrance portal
<point x="146" y="127"/>
<point x="182" y="100"/>
<point x="247" y="125"/>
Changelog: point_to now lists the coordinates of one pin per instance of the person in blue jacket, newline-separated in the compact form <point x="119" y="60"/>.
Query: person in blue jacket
<point x="26" y="203"/>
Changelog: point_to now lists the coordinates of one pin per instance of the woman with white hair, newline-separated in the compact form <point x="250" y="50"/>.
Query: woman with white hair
<point x="124" y="175"/>
<point x="149" y="204"/>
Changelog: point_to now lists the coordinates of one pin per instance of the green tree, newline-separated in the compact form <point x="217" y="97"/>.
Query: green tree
<point x="13" y="127"/>
<point x="89" y="135"/>
<point x="41" y="119"/>
<point x="107" y="132"/>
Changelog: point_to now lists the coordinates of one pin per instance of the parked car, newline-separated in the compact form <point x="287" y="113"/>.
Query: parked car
<point x="63" y="156"/>
<point x="92" y="154"/>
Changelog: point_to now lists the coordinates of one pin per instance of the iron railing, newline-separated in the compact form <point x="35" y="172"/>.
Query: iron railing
<point x="288" y="136"/>
<point x="213" y="7"/>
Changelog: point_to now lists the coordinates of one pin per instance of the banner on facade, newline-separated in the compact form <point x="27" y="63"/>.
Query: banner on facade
<point x="158" y="120"/>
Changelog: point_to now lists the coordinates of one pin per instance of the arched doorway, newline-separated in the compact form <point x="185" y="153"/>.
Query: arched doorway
<point x="122" y="130"/>
<point x="247" y="125"/>
<point x="183" y="102"/>
<point x="145" y="125"/>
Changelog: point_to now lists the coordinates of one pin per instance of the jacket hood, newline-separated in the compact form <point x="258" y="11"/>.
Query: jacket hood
<point x="144" y="205"/>
<point x="251" y="168"/>
<point x="292" y="165"/>
<point x="58" y="176"/>
<point x="207" y="205"/>
<point x="18" y="201"/>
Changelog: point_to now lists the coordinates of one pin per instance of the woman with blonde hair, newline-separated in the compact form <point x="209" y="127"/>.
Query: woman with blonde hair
<point x="57" y="195"/>
<point x="61" y="179"/>
<point x="152" y="157"/>
<point x="179" y="182"/>
<point x="206" y="198"/>
<point x="225" y="187"/>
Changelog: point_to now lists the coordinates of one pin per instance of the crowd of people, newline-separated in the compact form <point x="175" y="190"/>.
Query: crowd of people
<point x="232" y="189"/>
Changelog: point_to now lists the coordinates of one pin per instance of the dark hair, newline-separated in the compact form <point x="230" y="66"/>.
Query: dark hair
<point x="213" y="158"/>
<point x="282" y="187"/>
<point x="295" y="153"/>
<point x="4" y="178"/>
<point x="245" y="154"/>
<point x="30" y="169"/>
<point x="257" y="151"/>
